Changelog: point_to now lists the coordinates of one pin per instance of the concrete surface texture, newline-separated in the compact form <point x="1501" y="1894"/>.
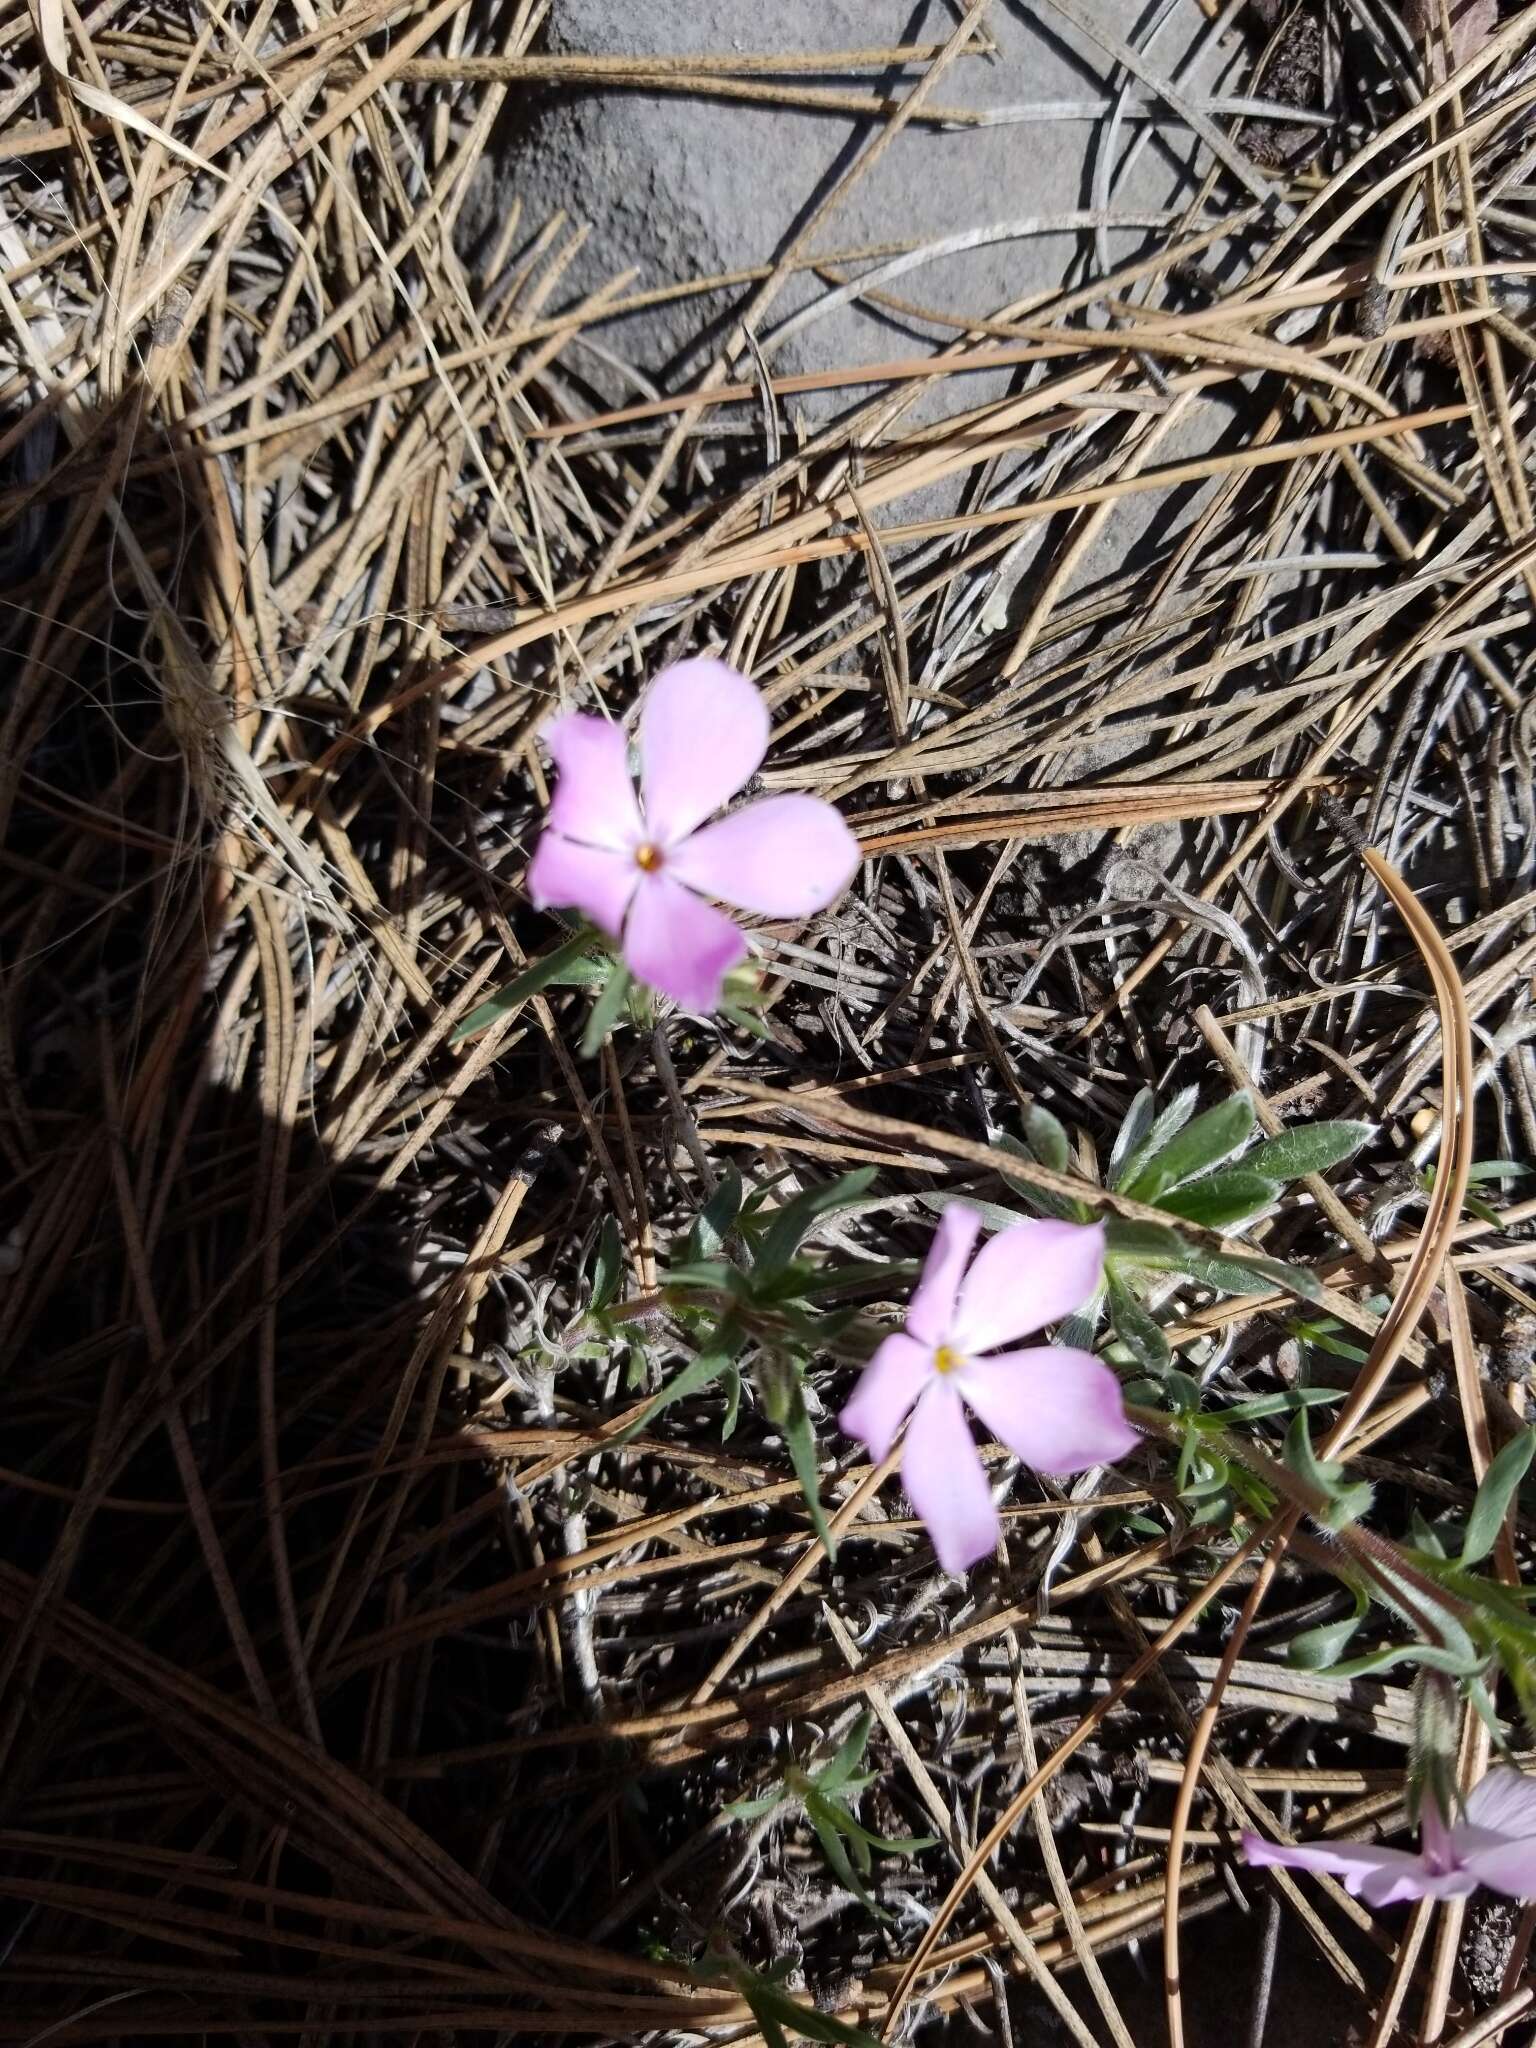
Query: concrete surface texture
<point x="678" y="189"/>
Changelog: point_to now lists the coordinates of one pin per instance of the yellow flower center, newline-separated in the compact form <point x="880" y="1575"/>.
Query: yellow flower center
<point x="648" y="857"/>
<point x="945" y="1360"/>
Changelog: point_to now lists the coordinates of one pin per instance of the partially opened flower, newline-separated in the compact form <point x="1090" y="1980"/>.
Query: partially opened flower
<point x="1059" y="1410"/>
<point x="1495" y="1845"/>
<point x="640" y="868"/>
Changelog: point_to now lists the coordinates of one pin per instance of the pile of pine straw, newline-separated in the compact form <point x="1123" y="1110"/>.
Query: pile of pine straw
<point x="350" y="1688"/>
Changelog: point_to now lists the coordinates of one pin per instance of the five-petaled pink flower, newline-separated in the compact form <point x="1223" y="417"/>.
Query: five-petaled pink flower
<point x="1059" y="1410"/>
<point x="1495" y="1845"/>
<point x="639" y="868"/>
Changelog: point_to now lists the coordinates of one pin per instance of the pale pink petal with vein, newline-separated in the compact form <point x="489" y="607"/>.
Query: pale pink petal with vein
<point x="942" y="1472"/>
<point x="703" y="730"/>
<point x="1030" y="1275"/>
<point x="1504" y="1799"/>
<point x="677" y="944"/>
<point x="565" y="875"/>
<point x="784" y="857"/>
<point x="1059" y="1410"/>
<point x="887" y="1389"/>
<point x="594" y="797"/>
<point x="931" y="1311"/>
<point x="1383" y="1877"/>
<point x="1510" y="1868"/>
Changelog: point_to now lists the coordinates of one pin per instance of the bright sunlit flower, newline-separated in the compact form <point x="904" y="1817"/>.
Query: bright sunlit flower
<point x="640" y="868"/>
<point x="1059" y="1410"/>
<point x="1495" y="1845"/>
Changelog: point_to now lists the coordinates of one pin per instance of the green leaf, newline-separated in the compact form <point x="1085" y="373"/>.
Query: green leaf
<point x="1217" y="1509"/>
<point x="1317" y="1648"/>
<point x="993" y="1215"/>
<point x="833" y="1776"/>
<point x="1307" y="1148"/>
<point x="825" y="1819"/>
<point x="800" y="1441"/>
<point x="1159" y="1131"/>
<point x="1144" y="1244"/>
<point x="1222" y="1200"/>
<point x="1281" y="1404"/>
<point x="1319" y="1335"/>
<point x="732" y="1413"/>
<point x="754" y="1809"/>
<point x="1304" y="1461"/>
<point x="547" y="969"/>
<point x="816" y="1281"/>
<point x="883" y="1845"/>
<point x="607" y="1265"/>
<point x="716" y="1276"/>
<point x="1138" y="1331"/>
<point x="1165" y="1250"/>
<point x="1138" y="1122"/>
<point x="1248" y="1273"/>
<point x="1429" y="1654"/>
<point x="793" y="1222"/>
<point x="606" y="1011"/>
<point x="694" y="1377"/>
<point x="1500" y="1484"/>
<point x="1212" y="1137"/>
<point x="717" y="1219"/>
<point x="1182" y="1392"/>
<point x="774" y="2009"/>
<point x="1046" y="1139"/>
<point x="1045" y="1201"/>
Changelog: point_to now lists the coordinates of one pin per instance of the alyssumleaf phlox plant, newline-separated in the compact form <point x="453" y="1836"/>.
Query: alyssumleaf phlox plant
<point x="640" y="865"/>
<point x="1058" y="1409"/>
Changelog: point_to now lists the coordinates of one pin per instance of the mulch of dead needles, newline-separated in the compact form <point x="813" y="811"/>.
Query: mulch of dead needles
<point x="352" y="1688"/>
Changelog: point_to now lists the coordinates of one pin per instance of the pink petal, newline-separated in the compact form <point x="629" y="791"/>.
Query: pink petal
<point x="1028" y="1276"/>
<point x="586" y="878"/>
<point x="931" y="1310"/>
<point x="1504" y="1799"/>
<point x="1057" y="1409"/>
<point x="1510" y="1868"/>
<point x="942" y="1472"/>
<point x="783" y="857"/>
<point x="703" y="731"/>
<point x="677" y="944"/>
<point x="1381" y="1876"/>
<point x="887" y="1389"/>
<point x="594" y="799"/>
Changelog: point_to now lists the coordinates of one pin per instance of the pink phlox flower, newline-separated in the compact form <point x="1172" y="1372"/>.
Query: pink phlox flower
<point x="1495" y="1845"/>
<point x="640" y="867"/>
<point x="1058" y="1409"/>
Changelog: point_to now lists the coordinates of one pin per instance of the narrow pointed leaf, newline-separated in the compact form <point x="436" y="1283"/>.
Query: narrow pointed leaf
<point x="697" y="1374"/>
<point x="1138" y="1331"/>
<point x="1046" y="1139"/>
<point x="1307" y="1148"/>
<point x="1139" y="1119"/>
<point x="606" y="1011"/>
<point x="717" y="1219"/>
<point x="1222" y="1200"/>
<point x="541" y="974"/>
<point x="1315" y="1649"/>
<point x="1500" y="1484"/>
<point x="850" y="1754"/>
<point x="1213" y="1136"/>
<point x="1163" y="1128"/>
<point x="794" y="1222"/>
<point x="800" y="1441"/>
